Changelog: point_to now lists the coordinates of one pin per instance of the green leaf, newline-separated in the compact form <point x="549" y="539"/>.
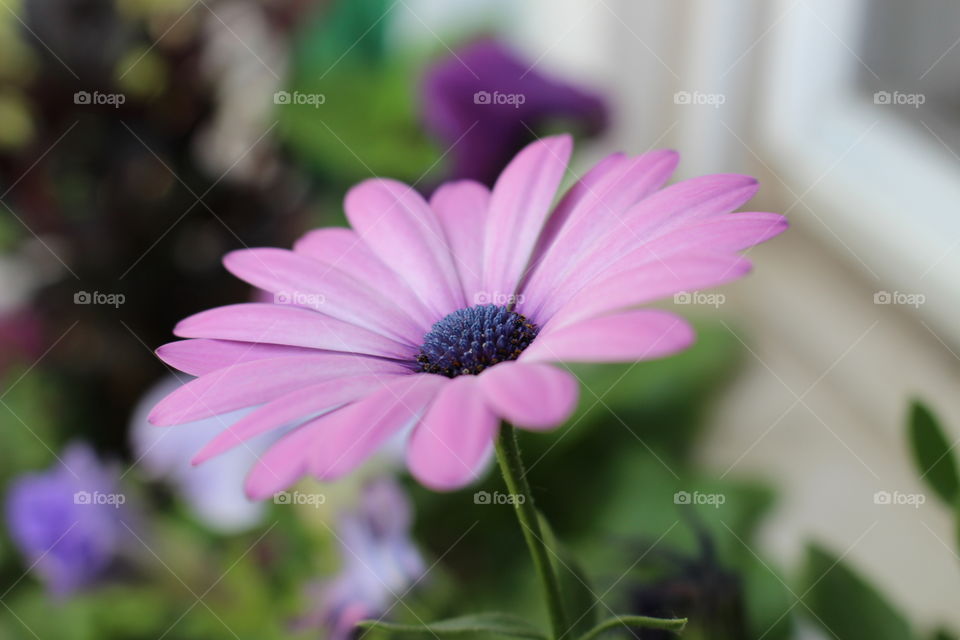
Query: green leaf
<point x="845" y="605"/>
<point x="933" y="453"/>
<point x="670" y="624"/>
<point x="493" y="623"/>
<point x="579" y="599"/>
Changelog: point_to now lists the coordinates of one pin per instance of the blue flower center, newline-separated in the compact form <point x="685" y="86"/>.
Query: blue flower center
<point x="470" y="340"/>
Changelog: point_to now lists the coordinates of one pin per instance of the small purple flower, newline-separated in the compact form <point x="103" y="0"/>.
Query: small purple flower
<point x="379" y="561"/>
<point x="485" y="103"/>
<point x="67" y="521"/>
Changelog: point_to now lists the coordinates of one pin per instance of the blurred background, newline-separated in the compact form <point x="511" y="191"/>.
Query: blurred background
<point x="791" y="476"/>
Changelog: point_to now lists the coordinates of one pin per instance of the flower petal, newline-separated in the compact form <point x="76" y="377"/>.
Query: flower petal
<point x="293" y="326"/>
<point x="345" y="249"/>
<point x="595" y="204"/>
<point x="450" y="446"/>
<point x="297" y="280"/>
<point x="297" y="406"/>
<point x="252" y="383"/>
<point x="463" y="208"/>
<point x="729" y="232"/>
<point x="679" y="205"/>
<point x="351" y="434"/>
<point x="648" y="282"/>
<point x="200" y="356"/>
<point x="399" y="226"/>
<point x="282" y="464"/>
<point x="519" y="205"/>
<point x="529" y="394"/>
<point x="631" y="335"/>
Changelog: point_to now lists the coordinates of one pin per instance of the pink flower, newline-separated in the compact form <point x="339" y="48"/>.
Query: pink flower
<point x="446" y="317"/>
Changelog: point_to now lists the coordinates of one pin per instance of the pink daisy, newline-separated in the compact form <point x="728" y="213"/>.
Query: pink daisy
<point x="445" y="317"/>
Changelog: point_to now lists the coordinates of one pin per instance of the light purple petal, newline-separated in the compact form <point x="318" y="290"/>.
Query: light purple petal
<point x="401" y="228"/>
<point x="648" y="282"/>
<point x="201" y="356"/>
<point x="593" y="206"/>
<point x="297" y="406"/>
<point x="683" y="204"/>
<point x="253" y="383"/>
<point x="622" y="337"/>
<point x="293" y="326"/>
<point x="297" y="280"/>
<point x="463" y="209"/>
<point x="679" y="205"/>
<point x="282" y="464"/>
<point x="345" y="249"/>
<point x="728" y="232"/>
<point x="450" y="446"/>
<point x="530" y="395"/>
<point x="351" y="434"/>
<point x="519" y="206"/>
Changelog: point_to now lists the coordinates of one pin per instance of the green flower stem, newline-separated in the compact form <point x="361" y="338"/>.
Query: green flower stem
<point x="511" y="464"/>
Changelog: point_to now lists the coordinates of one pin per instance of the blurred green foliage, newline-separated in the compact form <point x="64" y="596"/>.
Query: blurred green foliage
<point x="367" y="124"/>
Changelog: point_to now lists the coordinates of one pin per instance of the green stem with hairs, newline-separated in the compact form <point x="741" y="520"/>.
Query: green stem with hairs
<point x="511" y="464"/>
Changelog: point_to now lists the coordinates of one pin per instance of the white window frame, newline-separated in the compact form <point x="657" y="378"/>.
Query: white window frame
<point x="884" y="192"/>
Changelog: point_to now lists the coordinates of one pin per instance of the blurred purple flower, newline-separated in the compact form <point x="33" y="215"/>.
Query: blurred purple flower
<point x="485" y="103"/>
<point x="67" y="521"/>
<point x="212" y="491"/>
<point x="379" y="561"/>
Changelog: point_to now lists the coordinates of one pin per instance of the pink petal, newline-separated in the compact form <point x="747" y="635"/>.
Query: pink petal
<point x="300" y="405"/>
<point x="301" y="281"/>
<point x="399" y="226"/>
<point x="462" y="208"/>
<point x="519" y="205"/>
<point x="529" y="394"/>
<point x="648" y="282"/>
<point x="687" y="202"/>
<point x="623" y="337"/>
<point x="451" y="445"/>
<point x="573" y="200"/>
<point x="252" y="383"/>
<point x="595" y="205"/>
<point x="345" y="249"/>
<point x="201" y="356"/>
<point x="679" y="205"/>
<point x="351" y="434"/>
<point x="730" y="232"/>
<point x="292" y="326"/>
<point x="282" y="464"/>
